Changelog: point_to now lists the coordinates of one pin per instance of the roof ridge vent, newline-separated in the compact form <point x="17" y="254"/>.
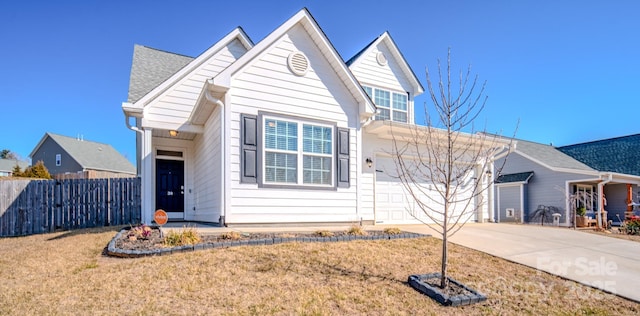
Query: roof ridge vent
<point x="298" y="63"/>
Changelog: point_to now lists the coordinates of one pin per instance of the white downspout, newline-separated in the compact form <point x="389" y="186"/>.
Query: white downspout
<point x="492" y="188"/>
<point x="146" y="169"/>
<point x="223" y="139"/>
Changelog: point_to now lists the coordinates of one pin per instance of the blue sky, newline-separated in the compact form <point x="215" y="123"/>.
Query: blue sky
<point x="569" y="71"/>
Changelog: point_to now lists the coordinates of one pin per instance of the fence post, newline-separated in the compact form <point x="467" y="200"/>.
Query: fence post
<point x="51" y="205"/>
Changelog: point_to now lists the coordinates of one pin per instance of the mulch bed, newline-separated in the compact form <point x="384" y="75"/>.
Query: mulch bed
<point x="123" y="246"/>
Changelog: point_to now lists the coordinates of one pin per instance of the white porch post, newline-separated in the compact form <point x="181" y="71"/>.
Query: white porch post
<point x="490" y="210"/>
<point x="147" y="175"/>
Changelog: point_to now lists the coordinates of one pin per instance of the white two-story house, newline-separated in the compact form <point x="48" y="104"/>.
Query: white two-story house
<point x="279" y="132"/>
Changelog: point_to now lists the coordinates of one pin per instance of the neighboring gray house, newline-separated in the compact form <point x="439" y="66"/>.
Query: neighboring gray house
<point x="618" y="155"/>
<point x="68" y="157"/>
<point x="537" y="174"/>
<point x="7" y="165"/>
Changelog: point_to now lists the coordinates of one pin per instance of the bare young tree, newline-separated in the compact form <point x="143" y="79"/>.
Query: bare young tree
<point x="446" y="166"/>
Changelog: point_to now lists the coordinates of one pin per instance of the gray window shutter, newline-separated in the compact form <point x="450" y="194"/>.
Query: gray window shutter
<point x="342" y="156"/>
<point x="248" y="148"/>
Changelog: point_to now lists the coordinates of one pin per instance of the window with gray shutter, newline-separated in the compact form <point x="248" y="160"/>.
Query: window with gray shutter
<point x="343" y="157"/>
<point x="249" y="148"/>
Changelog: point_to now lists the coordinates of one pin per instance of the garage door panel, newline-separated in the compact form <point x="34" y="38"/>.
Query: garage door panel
<point x="392" y="203"/>
<point x="397" y="198"/>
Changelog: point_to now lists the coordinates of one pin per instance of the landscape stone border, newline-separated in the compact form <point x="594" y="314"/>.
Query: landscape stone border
<point x="435" y="293"/>
<point x="114" y="251"/>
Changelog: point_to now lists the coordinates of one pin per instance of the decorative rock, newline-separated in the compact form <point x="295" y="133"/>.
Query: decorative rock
<point x="113" y="250"/>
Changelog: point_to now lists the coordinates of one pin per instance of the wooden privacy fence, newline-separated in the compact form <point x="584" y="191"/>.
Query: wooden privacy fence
<point x="40" y="206"/>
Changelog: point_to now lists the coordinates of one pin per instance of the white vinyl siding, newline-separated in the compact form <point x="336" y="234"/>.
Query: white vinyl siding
<point x="207" y="191"/>
<point x="388" y="77"/>
<point x="369" y="71"/>
<point x="266" y="84"/>
<point x="176" y="104"/>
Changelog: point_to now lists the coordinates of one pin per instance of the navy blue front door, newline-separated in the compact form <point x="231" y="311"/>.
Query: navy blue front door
<point x="170" y="185"/>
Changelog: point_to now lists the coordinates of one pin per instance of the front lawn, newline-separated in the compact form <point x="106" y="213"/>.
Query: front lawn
<point x="66" y="273"/>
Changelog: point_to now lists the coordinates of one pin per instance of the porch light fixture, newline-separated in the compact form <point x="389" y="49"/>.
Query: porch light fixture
<point x="369" y="162"/>
<point x="488" y="172"/>
<point x="173" y="133"/>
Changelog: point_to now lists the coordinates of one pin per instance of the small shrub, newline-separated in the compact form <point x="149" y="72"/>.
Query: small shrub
<point x="357" y="231"/>
<point x="392" y="231"/>
<point x="632" y="227"/>
<point x="323" y="233"/>
<point x="141" y="232"/>
<point x="186" y="236"/>
<point x="231" y="236"/>
<point x="36" y="171"/>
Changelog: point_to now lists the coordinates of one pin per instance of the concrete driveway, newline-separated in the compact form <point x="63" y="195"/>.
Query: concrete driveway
<point x="606" y="263"/>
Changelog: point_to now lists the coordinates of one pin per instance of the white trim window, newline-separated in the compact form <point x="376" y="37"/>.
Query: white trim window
<point x="391" y="105"/>
<point x="58" y="160"/>
<point x="285" y="151"/>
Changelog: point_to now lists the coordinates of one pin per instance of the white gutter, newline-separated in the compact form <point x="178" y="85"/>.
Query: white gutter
<point x="133" y="128"/>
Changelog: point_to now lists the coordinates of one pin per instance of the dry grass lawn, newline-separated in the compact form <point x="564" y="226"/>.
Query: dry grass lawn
<point x="65" y="273"/>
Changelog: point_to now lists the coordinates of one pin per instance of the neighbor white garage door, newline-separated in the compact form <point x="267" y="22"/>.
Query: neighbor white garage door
<point x="392" y="202"/>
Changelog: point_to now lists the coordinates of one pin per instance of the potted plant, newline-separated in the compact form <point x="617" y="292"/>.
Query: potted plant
<point x="581" y="218"/>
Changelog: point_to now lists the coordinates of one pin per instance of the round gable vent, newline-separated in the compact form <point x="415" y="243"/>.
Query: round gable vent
<point x="298" y="63"/>
<point x="381" y="58"/>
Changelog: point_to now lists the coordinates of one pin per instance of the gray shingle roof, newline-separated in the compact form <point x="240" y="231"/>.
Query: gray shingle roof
<point x="93" y="155"/>
<point x="151" y="67"/>
<point x="620" y="154"/>
<point x="6" y="165"/>
<point x="515" y="177"/>
<point x="550" y="156"/>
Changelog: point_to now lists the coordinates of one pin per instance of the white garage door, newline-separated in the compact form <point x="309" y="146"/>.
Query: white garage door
<point x="393" y="204"/>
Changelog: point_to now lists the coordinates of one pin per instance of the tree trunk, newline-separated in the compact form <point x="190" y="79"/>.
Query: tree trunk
<point x="443" y="268"/>
<point x="445" y="235"/>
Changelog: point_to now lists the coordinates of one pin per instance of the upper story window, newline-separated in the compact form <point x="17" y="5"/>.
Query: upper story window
<point x="58" y="160"/>
<point x="391" y="105"/>
<point x="298" y="153"/>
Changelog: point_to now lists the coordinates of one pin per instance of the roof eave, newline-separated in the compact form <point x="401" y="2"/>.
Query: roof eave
<point x="390" y="130"/>
<point x="237" y="33"/>
<point x="303" y="17"/>
<point x="418" y="89"/>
